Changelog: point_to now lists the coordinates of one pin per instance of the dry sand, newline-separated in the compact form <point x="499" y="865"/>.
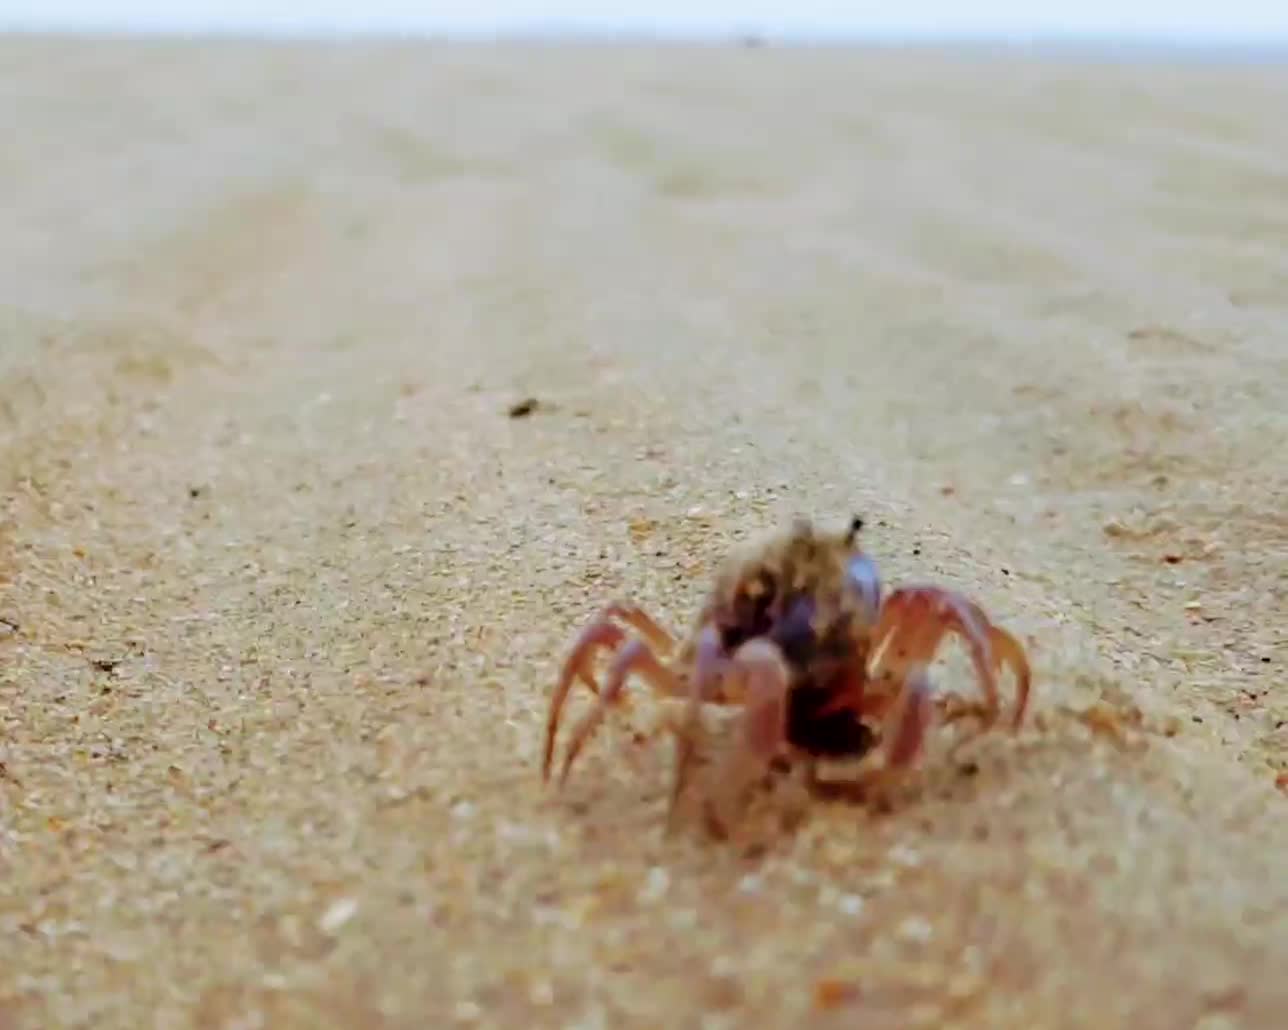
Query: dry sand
<point x="284" y="590"/>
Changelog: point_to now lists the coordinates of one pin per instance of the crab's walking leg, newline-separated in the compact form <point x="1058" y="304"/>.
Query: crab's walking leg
<point x="601" y="632"/>
<point x="635" y="657"/>
<point x="1009" y="651"/>
<point x="637" y="618"/>
<point x="914" y="622"/>
<point x="762" y="730"/>
<point x="708" y="665"/>
<point x="904" y="733"/>
<point x="905" y="730"/>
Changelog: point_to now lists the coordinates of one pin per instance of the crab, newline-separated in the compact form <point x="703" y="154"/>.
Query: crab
<point x="797" y="631"/>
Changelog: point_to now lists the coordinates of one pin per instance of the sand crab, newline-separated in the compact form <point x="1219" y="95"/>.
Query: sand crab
<point x="797" y="631"/>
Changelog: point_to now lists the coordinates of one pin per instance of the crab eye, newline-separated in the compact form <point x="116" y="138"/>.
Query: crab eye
<point x="864" y="578"/>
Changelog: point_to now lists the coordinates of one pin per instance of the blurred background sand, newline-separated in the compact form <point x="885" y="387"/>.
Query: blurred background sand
<point x="283" y="590"/>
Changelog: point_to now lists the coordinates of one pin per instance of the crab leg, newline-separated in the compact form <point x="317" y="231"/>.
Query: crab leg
<point x="762" y="730"/>
<point x="1008" y="651"/>
<point x="637" y="618"/>
<point x="709" y="664"/>
<point x="601" y="633"/>
<point x="635" y="657"/>
<point x="913" y="623"/>
<point x="905" y="729"/>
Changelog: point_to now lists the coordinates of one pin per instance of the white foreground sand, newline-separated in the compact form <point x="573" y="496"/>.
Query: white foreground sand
<point x="284" y="590"/>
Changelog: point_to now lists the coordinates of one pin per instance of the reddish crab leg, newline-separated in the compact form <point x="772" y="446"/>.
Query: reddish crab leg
<point x="906" y="724"/>
<point x="1009" y="651"/>
<point x="637" y="618"/>
<point x="600" y="633"/>
<point x="635" y="657"/>
<point x="914" y="621"/>
<point x="906" y="721"/>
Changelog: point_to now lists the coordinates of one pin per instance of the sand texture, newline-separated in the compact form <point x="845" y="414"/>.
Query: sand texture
<point x="284" y="589"/>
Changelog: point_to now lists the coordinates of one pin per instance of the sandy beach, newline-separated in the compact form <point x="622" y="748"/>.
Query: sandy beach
<point x="284" y="588"/>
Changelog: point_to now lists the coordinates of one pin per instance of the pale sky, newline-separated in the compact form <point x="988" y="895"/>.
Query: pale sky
<point x="1191" y="20"/>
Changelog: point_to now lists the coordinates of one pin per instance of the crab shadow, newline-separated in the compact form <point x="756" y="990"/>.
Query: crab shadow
<point x="962" y="772"/>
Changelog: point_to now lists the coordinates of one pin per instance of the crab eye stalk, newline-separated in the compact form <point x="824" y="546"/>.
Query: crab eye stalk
<point x="866" y="581"/>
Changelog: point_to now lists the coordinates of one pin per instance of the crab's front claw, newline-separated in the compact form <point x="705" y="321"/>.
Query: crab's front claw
<point x="761" y="731"/>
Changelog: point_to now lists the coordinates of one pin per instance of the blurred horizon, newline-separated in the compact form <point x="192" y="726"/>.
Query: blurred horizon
<point x="1239" y="24"/>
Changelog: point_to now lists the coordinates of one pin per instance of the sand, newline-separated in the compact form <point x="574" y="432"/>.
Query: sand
<point x="284" y="589"/>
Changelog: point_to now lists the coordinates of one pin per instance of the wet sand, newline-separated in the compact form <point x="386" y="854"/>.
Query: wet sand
<point x="284" y="589"/>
